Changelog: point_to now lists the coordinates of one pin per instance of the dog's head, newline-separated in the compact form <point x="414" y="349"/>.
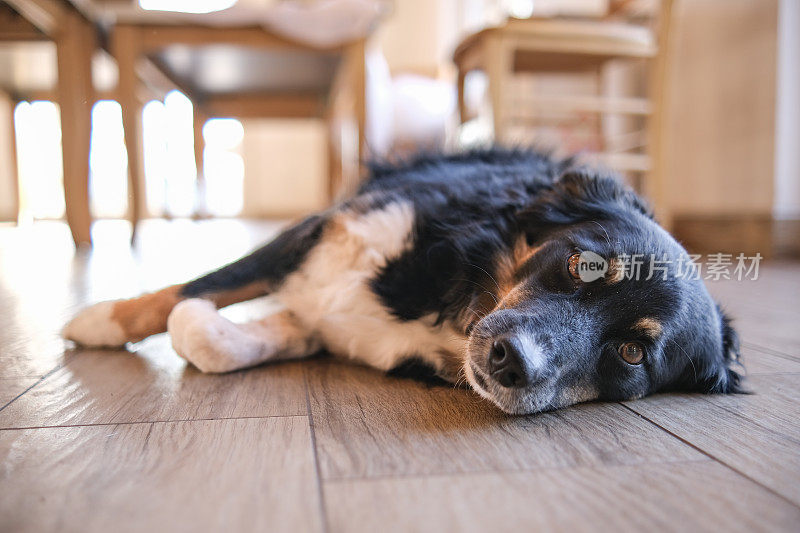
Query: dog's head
<point x="598" y="303"/>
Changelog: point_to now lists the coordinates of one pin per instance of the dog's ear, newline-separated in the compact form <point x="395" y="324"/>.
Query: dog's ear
<point x="715" y="366"/>
<point x="727" y="379"/>
<point x="581" y="195"/>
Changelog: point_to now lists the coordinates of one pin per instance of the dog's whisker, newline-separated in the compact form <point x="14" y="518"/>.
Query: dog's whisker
<point x="608" y="239"/>
<point x="694" y="368"/>
<point x="487" y="273"/>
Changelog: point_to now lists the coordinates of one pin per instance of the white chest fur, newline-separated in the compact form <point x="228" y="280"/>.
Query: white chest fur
<point x="331" y="296"/>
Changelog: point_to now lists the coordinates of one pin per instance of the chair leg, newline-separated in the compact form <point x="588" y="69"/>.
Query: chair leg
<point x="499" y="70"/>
<point x="198" y="121"/>
<point x="462" y="105"/>
<point x="75" y="44"/>
<point x="126" y="52"/>
<point x="358" y="74"/>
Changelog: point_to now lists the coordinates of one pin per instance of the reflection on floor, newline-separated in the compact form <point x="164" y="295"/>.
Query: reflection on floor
<point x="96" y="440"/>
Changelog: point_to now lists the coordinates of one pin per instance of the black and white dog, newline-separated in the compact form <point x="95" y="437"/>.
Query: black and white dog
<point x="504" y="268"/>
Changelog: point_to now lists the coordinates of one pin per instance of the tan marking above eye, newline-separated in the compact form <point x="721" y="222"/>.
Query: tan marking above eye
<point x="649" y="326"/>
<point x="572" y="266"/>
<point x="631" y="352"/>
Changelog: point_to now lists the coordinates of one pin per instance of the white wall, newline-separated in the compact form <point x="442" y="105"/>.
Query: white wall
<point x="286" y="167"/>
<point x="787" y="113"/>
<point x="720" y="128"/>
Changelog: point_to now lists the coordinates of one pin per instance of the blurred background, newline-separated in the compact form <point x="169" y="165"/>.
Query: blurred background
<point x="267" y="109"/>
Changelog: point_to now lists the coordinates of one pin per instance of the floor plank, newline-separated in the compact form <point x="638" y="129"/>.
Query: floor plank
<point x="694" y="496"/>
<point x="774" y="404"/>
<point x="766" y="456"/>
<point x="231" y="475"/>
<point x="765" y="310"/>
<point x="10" y="388"/>
<point x="370" y="425"/>
<point x="153" y="384"/>
<point x="760" y="361"/>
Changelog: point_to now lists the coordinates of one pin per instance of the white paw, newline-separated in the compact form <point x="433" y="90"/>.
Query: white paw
<point x="207" y="340"/>
<point x="94" y="326"/>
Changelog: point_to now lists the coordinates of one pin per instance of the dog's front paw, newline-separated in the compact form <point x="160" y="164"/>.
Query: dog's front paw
<point x="96" y="326"/>
<point x="207" y="340"/>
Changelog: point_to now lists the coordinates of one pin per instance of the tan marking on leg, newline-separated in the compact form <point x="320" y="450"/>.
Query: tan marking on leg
<point x="248" y="292"/>
<point x="649" y="326"/>
<point x="146" y="315"/>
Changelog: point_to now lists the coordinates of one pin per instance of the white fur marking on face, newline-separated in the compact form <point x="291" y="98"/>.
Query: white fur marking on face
<point x="533" y="352"/>
<point x="94" y="326"/>
<point x="331" y="296"/>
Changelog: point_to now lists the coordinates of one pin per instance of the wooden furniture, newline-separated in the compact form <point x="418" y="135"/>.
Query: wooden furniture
<point x="75" y="42"/>
<point x="550" y="46"/>
<point x="265" y="76"/>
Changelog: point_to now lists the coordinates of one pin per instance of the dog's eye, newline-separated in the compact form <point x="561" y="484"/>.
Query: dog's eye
<point x="572" y="266"/>
<point x="631" y="352"/>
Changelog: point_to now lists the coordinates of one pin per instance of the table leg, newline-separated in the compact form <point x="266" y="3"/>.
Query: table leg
<point x="75" y="44"/>
<point x="125" y="47"/>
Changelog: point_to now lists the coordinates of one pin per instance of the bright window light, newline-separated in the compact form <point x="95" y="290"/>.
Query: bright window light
<point x="223" y="166"/>
<point x="38" y="135"/>
<point x="155" y="155"/>
<point x="170" y="171"/>
<point x="520" y="9"/>
<point x="224" y="175"/>
<point x="186" y="6"/>
<point x="108" y="160"/>
<point x="223" y="133"/>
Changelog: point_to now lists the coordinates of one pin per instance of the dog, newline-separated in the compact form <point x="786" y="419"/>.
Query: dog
<point x="504" y="269"/>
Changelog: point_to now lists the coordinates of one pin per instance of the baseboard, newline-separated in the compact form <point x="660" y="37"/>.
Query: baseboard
<point x="786" y="238"/>
<point x="734" y="234"/>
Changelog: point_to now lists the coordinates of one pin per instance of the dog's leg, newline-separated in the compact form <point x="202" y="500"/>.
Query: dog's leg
<point x="116" y="322"/>
<point x="215" y="344"/>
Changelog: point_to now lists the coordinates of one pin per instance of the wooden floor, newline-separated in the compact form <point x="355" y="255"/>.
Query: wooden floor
<point x="115" y="441"/>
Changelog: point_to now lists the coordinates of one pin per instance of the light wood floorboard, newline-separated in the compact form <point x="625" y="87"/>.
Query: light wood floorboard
<point x="371" y="425"/>
<point x="104" y="386"/>
<point x="693" y="496"/>
<point x="769" y="457"/>
<point x="223" y="475"/>
<point x="10" y="388"/>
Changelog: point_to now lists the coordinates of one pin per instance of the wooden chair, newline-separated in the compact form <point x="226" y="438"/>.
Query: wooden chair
<point x="274" y="78"/>
<point x="578" y="46"/>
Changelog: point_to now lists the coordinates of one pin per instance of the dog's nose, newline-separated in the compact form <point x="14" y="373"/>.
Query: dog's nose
<point x="507" y="363"/>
